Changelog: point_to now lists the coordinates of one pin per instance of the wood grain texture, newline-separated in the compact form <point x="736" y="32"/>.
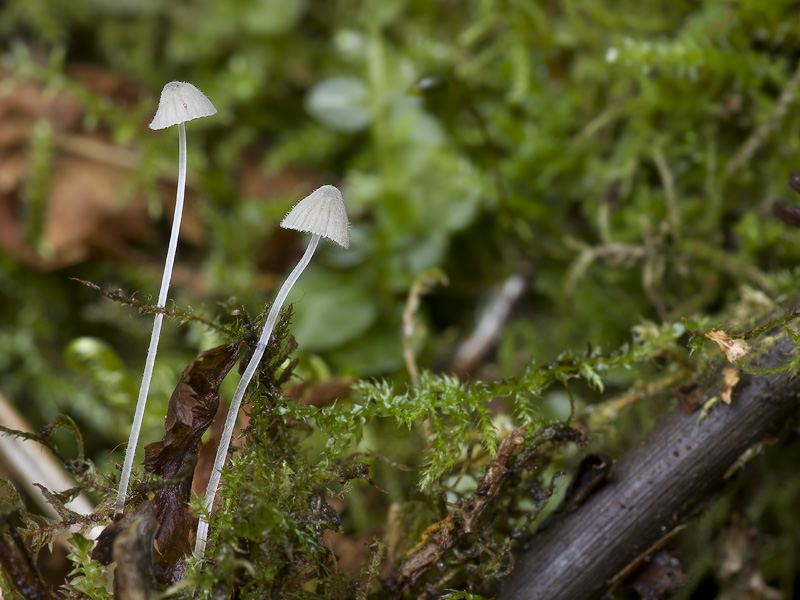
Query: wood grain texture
<point x="657" y="485"/>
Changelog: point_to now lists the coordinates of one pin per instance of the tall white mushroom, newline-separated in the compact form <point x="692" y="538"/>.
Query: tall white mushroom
<point x="322" y="214"/>
<point x="180" y="102"/>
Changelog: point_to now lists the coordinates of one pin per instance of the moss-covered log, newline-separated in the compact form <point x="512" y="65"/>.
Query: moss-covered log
<point x="663" y="481"/>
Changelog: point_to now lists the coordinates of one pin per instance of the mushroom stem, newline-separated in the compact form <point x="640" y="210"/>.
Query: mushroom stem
<point x="133" y="440"/>
<point x="233" y="412"/>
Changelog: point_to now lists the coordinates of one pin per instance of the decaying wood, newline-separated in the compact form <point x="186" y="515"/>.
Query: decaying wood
<point x="661" y="483"/>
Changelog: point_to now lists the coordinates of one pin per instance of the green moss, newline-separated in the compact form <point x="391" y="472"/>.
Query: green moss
<point x="621" y="156"/>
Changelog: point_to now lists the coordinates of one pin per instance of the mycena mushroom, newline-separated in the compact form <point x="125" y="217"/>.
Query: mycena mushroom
<point x="322" y="214"/>
<point x="180" y="102"/>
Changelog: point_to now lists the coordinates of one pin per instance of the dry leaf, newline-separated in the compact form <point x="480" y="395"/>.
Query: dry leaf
<point x="730" y="377"/>
<point x="83" y="212"/>
<point x="733" y="347"/>
<point x="191" y="409"/>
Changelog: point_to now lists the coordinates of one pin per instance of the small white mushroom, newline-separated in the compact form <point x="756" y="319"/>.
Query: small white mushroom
<point x="322" y="214"/>
<point x="180" y="102"/>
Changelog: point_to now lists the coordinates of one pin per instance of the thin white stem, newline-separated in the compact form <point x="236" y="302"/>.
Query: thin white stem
<point x="238" y="395"/>
<point x="133" y="441"/>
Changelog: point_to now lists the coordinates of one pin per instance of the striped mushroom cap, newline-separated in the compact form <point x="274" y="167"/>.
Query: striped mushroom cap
<point x="181" y="102"/>
<point x="321" y="212"/>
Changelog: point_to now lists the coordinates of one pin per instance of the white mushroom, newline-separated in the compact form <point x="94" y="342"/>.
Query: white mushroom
<point x="180" y="102"/>
<point x="322" y="214"/>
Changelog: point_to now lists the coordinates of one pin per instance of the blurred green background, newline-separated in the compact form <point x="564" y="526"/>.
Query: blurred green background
<point x="620" y="159"/>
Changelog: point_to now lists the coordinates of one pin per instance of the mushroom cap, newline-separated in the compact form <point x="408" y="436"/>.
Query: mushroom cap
<point x="321" y="212"/>
<point x="180" y="102"/>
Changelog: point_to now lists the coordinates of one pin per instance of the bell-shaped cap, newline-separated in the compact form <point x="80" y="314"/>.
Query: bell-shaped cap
<point x="321" y="212"/>
<point x="181" y="102"/>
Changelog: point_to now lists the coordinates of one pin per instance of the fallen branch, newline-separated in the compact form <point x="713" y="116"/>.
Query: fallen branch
<point x="662" y="482"/>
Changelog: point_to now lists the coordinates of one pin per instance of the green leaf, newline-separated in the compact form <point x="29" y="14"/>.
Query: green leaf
<point x="329" y="312"/>
<point x="339" y="103"/>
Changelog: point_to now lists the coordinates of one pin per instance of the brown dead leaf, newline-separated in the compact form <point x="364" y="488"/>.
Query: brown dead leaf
<point x="191" y="410"/>
<point x="730" y="377"/>
<point x="82" y="211"/>
<point x="208" y="451"/>
<point x="733" y="347"/>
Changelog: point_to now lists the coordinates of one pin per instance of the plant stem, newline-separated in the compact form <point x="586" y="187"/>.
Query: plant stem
<point x="133" y="440"/>
<point x="233" y="412"/>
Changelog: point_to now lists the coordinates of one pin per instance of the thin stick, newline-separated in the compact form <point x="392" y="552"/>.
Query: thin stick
<point x="133" y="441"/>
<point x="233" y="412"/>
